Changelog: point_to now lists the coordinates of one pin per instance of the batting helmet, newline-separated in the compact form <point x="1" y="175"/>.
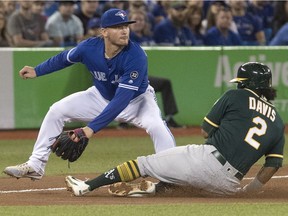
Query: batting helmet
<point x="253" y="75"/>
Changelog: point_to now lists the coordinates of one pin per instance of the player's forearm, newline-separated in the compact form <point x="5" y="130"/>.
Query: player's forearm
<point x="266" y="173"/>
<point x="204" y="133"/>
<point x="54" y="63"/>
<point x="263" y="176"/>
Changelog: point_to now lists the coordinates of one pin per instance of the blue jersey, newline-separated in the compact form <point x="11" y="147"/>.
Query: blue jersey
<point x="248" y="25"/>
<point x="281" y="37"/>
<point x="143" y="41"/>
<point x="265" y="12"/>
<point x="166" y="33"/>
<point x="119" y="79"/>
<point x="214" y="37"/>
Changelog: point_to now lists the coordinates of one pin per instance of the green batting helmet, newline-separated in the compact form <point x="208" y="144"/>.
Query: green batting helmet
<point x="253" y="75"/>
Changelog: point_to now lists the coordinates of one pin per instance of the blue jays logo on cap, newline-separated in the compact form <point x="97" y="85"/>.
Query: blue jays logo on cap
<point x="113" y="17"/>
<point x="122" y="14"/>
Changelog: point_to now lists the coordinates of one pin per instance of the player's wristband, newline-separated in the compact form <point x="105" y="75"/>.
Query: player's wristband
<point x="254" y="185"/>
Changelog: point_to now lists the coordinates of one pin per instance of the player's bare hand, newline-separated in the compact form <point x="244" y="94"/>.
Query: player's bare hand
<point x="27" y="72"/>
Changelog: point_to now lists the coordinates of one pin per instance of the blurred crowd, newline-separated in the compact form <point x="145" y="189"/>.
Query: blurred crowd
<point x="159" y="23"/>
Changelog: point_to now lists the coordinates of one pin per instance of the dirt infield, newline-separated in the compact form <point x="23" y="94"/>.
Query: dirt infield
<point x="51" y="189"/>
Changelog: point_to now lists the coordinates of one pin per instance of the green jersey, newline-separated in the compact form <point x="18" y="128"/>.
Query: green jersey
<point x="244" y="127"/>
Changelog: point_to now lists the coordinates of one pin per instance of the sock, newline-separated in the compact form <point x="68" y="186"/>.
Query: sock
<point x="125" y="172"/>
<point x="128" y="171"/>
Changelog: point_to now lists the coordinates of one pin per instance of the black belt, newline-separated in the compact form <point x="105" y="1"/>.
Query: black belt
<point x="222" y="160"/>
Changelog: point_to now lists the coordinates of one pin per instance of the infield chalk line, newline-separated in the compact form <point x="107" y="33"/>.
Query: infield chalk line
<point x="32" y="190"/>
<point x="64" y="188"/>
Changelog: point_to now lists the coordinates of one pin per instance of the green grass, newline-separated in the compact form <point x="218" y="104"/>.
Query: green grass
<point x="147" y="210"/>
<point x="100" y="155"/>
<point x="105" y="153"/>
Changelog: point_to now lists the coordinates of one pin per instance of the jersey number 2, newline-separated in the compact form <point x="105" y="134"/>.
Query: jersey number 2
<point x="258" y="130"/>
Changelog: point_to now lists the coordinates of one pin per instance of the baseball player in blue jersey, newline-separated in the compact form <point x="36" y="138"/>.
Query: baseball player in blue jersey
<point x="241" y="127"/>
<point x="120" y="92"/>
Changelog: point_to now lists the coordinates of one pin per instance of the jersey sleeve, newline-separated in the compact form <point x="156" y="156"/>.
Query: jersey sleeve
<point x="275" y="157"/>
<point x="53" y="29"/>
<point x="60" y="61"/>
<point x="13" y="26"/>
<point x="135" y="70"/>
<point x="53" y="64"/>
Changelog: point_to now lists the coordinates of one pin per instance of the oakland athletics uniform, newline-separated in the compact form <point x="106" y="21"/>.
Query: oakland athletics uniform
<point x="242" y="127"/>
<point x="120" y="92"/>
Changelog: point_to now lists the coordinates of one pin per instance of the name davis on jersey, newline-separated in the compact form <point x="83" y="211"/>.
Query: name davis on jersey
<point x="262" y="108"/>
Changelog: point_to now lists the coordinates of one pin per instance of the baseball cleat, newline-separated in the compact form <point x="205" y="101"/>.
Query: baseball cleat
<point x="22" y="171"/>
<point x="123" y="189"/>
<point x="76" y="186"/>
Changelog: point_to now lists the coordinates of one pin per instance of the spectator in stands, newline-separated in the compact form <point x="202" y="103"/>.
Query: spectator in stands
<point x="87" y="11"/>
<point x="141" y="30"/>
<point x="196" y="3"/>
<point x="281" y="37"/>
<point x="280" y="16"/>
<point x="93" y="28"/>
<point x="2" y="8"/>
<point x="38" y="8"/>
<point x="4" y="39"/>
<point x="142" y="6"/>
<point x="50" y="8"/>
<point x="123" y="5"/>
<point x="63" y="27"/>
<point x="27" y="29"/>
<point x="159" y="11"/>
<point x="199" y="4"/>
<point x="210" y="20"/>
<point x="221" y="35"/>
<point x="249" y="26"/>
<point x="10" y="7"/>
<point x="172" y="31"/>
<point x="204" y="5"/>
<point x="264" y="10"/>
<point x="194" y="20"/>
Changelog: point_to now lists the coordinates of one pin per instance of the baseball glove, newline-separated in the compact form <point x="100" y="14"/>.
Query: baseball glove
<point x="70" y="147"/>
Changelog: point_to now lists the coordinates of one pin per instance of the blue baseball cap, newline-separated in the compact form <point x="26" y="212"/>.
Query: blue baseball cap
<point x="113" y="17"/>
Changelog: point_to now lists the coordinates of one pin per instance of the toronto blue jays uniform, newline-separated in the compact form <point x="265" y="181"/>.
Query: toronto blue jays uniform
<point x="121" y="92"/>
